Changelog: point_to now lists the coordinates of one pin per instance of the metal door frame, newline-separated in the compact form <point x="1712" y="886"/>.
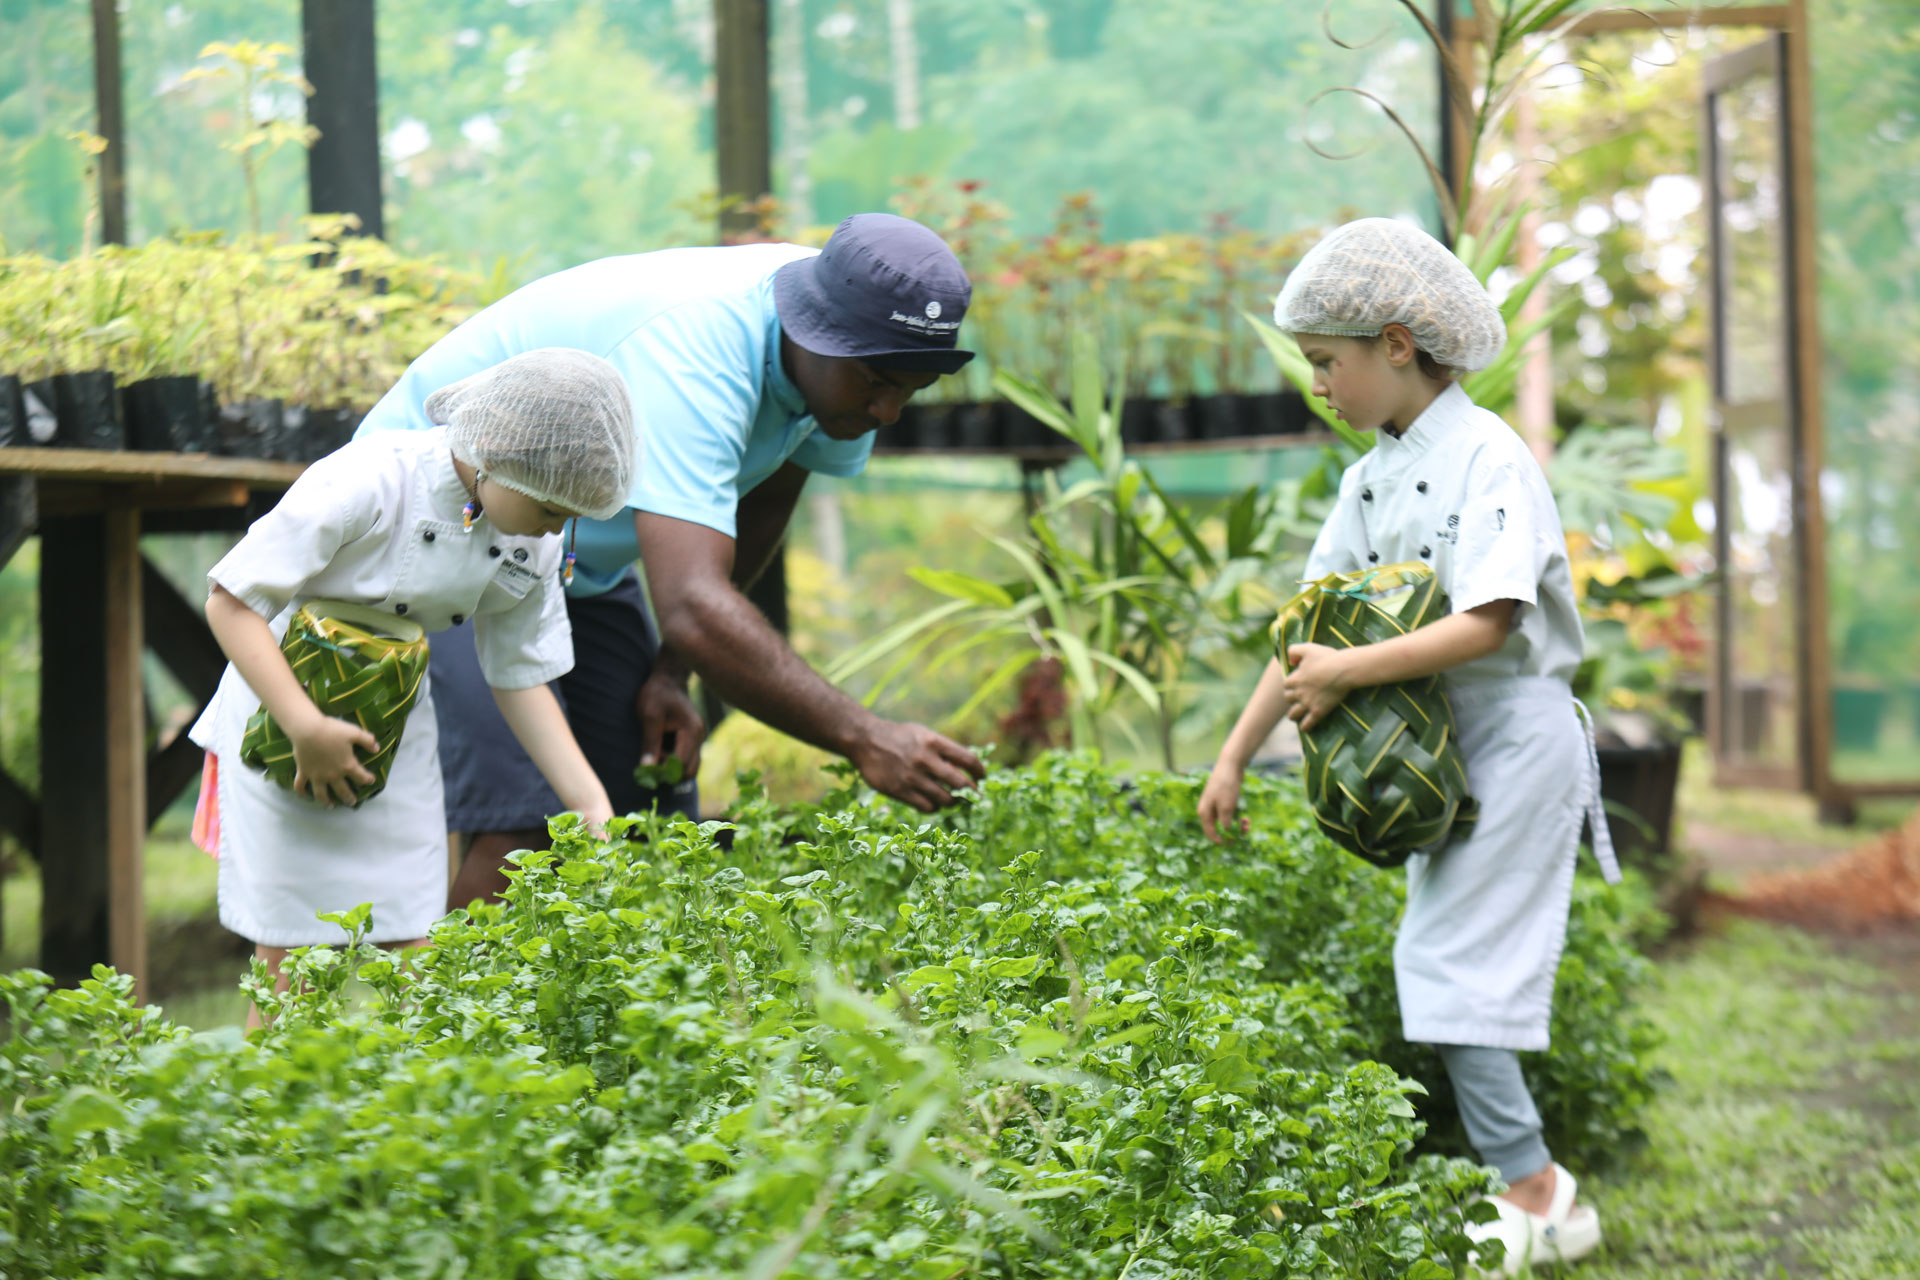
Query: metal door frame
<point x="1764" y="59"/>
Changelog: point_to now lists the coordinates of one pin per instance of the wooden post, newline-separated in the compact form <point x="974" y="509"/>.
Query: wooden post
<point x="73" y="757"/>
<point x="742" y="124"/>
<point x="343" y="165"/>
<point x="111" y="123"/>
<point x="1803" y="269"/>
<point x="126" y="747"/>
<point x="743" y="132"/>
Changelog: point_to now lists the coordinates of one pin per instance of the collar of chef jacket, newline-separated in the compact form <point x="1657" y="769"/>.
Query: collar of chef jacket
<point x="1437" y="421"/>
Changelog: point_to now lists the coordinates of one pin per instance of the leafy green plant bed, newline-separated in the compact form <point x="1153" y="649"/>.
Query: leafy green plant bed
<point x="1056" y="1034"/>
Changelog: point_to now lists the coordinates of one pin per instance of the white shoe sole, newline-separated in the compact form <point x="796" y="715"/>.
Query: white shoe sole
<point x="1570" y="1241"/>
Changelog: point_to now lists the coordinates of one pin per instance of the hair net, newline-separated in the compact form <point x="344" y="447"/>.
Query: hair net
<point x="553" y="423"/>
<point x="1375" y="272"/>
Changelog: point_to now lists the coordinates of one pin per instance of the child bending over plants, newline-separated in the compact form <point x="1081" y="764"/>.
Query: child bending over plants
<point x="1389" y="319"/>
<point x="322" y="782"/>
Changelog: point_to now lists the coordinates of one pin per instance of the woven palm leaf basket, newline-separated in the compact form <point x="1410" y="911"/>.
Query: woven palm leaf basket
<point x="1384" y="771"/>
<point x="358" y="664"/>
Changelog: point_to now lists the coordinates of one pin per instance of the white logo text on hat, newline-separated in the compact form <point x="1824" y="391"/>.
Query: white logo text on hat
<point x="933" y="309"/>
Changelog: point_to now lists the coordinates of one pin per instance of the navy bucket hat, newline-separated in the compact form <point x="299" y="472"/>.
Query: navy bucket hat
<point x="885" y="290"/>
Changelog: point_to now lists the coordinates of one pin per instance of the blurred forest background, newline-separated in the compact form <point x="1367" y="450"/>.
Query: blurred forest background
<point x="540" y="134"/>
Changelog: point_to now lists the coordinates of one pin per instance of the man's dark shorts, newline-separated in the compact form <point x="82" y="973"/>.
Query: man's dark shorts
<point x="491" y="784"/>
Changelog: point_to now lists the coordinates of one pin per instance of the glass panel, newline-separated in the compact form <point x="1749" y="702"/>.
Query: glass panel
<point x="1747" y="125"/>
<point x="1866" y="157"/>
<point x="1758" y="703"/>
<point x="1759" y="676"/>
<point x="46" y="95"/>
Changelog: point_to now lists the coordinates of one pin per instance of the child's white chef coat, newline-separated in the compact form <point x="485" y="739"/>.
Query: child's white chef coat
<point x="1486" y="916"/>
<point x="1460" y="491"/>
<point x="377" y="523"/>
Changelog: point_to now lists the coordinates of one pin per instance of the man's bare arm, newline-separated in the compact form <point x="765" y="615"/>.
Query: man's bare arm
<point x="760" y="522"/>
<point x="716" y="631"/>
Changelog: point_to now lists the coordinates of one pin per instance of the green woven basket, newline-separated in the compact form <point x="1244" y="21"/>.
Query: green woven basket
<point x="356" y="663"/>
<point x="1384" y="772"/>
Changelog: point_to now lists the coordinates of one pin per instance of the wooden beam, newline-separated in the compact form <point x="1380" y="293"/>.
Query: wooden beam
<point x="177" y="632"/>
<point x="1066" y="452"/>
<point x="126" y="749"/>
<point x="111" y="121"/>
<point x="742" y="118"/>
<point x="1593" y="22"/>
<point x="171" y="770"/>
<point x="64" y="498"/>
<point x="129" y="466"/>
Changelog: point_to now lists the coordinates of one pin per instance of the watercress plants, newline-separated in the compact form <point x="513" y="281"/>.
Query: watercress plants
<point x="1055" y="1033"/>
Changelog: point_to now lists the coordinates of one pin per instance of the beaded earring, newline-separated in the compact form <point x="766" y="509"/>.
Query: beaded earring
<point x="472" y="509"/>
<point x="573" y="535"/>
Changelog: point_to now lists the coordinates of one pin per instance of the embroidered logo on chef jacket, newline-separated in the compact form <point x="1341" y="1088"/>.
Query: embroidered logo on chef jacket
<point x="515" y="578"/>
<point x="1452" y="532"/>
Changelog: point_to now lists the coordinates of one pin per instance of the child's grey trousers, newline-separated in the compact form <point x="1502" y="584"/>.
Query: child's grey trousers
<point x="1502" y="1122"/>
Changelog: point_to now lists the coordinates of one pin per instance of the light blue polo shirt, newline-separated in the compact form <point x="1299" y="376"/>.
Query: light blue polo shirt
<point x="695" y="334"/>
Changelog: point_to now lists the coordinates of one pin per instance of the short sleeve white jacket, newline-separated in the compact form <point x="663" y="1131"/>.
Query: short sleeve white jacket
<point x="379" y="523"/>
<point x="1459" y="490"/>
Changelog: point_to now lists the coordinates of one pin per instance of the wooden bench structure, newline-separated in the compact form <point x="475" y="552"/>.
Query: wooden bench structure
<point x="102" y="606"/>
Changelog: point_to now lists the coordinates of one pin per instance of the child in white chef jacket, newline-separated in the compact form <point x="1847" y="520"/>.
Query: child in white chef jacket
<point x="1389" y="318"/>
<point x="436" y="526"/>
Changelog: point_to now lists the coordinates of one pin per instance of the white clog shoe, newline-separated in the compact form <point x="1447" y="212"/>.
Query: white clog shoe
<point x="1564" y="1233"/>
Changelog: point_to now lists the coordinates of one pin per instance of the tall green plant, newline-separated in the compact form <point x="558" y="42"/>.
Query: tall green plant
<point x="254" y="66"/>
<point x="1115" y="579"/>
<point x="1600" y="482"/>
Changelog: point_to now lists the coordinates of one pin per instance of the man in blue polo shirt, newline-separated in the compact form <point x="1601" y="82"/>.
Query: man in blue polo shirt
<point x="750" y="367"/>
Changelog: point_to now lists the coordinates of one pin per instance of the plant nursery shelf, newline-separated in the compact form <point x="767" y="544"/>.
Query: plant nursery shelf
<point x="93" y="481"/>
<point x="1065" y="451"/>
<point x="133" y="468"/>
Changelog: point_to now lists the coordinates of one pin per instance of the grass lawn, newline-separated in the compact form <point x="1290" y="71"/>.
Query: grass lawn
<point x="1787" y="1142"/>
<point x="199" y="989"/>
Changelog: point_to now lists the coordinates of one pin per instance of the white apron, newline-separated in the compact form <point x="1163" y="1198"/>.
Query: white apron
<point x="1486" y="917"/>
<point x="377" y="523"/>
<point x="302" y="859"/>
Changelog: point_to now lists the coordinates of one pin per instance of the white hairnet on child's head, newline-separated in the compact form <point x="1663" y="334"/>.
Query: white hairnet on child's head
<point x="1376" y="272"/>
<point x="552" y="423"/>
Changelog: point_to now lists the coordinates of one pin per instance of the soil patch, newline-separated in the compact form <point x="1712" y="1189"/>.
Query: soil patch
<point x="1869" y="888"/>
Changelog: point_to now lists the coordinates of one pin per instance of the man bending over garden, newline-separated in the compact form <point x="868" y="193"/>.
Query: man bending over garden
<point x="750" y="367"/>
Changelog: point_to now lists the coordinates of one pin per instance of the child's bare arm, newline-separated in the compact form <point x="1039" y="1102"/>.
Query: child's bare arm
<point x="325" y="765"/>
<point x="1220" y="798"/>
<point x="535" y="717"/>
<point x="1321" y="676"/>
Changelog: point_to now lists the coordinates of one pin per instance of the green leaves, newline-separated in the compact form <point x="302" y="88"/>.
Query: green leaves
<point x="1601" y="481"/>
<point x="1129" y="590"/>
<point x="253" y="316"/>
<point x="963" y="587"/>
<point x="1056" y="1033"/>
